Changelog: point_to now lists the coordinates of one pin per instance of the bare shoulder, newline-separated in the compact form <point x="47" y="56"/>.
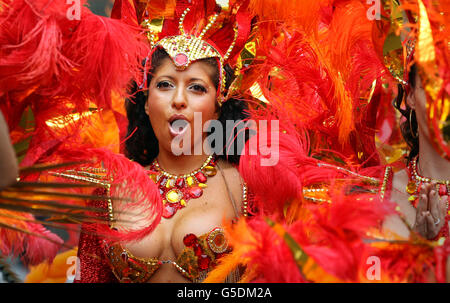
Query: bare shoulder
<point x="231" y="173"/>
<point x="400" y="196"/>
<point x="400" y="180"/>
<point x="233" y="179"/>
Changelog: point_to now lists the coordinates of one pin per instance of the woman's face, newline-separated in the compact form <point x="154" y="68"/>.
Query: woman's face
<point x="417" y="100"/>
<point x="173" y="98"/>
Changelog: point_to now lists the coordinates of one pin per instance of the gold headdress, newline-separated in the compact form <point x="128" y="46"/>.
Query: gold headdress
<point x="193" y="30"/>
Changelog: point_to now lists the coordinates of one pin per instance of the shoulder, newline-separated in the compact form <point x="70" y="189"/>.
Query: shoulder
<point x="232" y="178"/>
<point x="229" y="170"/>
<point x="400" y="179"/>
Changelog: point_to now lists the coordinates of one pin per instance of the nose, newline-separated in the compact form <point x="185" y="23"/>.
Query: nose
<point x="179" y="100"/>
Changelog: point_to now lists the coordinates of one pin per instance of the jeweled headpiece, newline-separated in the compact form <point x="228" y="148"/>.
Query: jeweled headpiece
<point x="193" y="30"/>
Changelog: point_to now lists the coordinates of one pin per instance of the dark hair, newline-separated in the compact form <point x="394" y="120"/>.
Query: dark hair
<point x="408" y="113"/>
<point x="142" y="144"/>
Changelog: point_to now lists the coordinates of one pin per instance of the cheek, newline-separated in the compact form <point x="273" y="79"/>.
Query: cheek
<point x="421" y="106"/>
<point x="156" y="110"/>
<point x="207" y="106"/>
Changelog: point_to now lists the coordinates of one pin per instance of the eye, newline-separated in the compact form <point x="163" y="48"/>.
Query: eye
<point x="164" y="85"/>
<point x="198" y="88"/>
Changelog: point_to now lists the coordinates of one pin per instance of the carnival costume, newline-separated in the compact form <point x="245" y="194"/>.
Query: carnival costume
<point x="187" y="32"/>
<point x="315" y="67"/>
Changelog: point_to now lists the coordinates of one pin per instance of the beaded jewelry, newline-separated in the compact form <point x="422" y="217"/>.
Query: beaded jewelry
<point x="416" y="181"/>
<point x="177" y="190"/>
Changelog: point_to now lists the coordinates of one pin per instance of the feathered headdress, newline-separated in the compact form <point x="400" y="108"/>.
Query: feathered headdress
<point x="192" y="30"/>
<point x="417" y="32"/>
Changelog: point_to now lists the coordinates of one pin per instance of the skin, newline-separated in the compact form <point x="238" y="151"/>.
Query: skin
<point x="8" y="162"/>
<point x="431" y="206"/>
<point x="172" y="91"/>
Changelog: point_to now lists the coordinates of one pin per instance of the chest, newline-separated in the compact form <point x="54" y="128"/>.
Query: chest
<point x="200" y="216"/>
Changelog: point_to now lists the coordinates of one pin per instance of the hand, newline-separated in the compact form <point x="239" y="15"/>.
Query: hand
<point x="430" y="212"/>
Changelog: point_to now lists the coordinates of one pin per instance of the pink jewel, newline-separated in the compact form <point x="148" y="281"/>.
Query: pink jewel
<point x="181" y="59"/>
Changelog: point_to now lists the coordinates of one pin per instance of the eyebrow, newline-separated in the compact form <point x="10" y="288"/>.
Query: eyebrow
<point x="173" y="78"/>
<point x="195" y="79"/>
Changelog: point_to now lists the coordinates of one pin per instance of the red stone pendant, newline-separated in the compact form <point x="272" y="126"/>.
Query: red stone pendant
<point x="180" y="182"/>
<point x="195" y="192"/>
<point x="200" y="177"/>
<point x="169" y="211"/>
<point x="176" y="191"/>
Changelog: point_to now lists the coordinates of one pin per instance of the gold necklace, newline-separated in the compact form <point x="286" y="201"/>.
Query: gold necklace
<point x="416" y="180"/>
<point x="177" y="190"/>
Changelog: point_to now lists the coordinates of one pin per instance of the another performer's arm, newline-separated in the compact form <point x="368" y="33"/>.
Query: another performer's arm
<point x="8" y="163"/>
<point x="93" y="264"/>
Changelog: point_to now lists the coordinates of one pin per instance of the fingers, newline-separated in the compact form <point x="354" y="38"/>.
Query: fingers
<point x="421" y="226"/>
<point x="422" y="206"/>
<point x="432" y="229"/>
<point x="431" y="211"/>
<point x="434" y="204"/>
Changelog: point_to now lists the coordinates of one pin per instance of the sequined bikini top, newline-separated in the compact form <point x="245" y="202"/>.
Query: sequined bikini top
<point x="199" y="256"/>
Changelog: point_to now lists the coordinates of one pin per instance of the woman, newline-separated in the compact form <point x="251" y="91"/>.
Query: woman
<point x="421" y="190"/>
<point x="198" y="189"/>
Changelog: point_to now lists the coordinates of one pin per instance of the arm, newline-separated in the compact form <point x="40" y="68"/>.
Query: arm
<point x="8" y="162"/>
<point x="93" y="264"/>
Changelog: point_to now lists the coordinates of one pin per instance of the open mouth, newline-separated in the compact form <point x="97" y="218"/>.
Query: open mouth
<point x="178" y="126"/>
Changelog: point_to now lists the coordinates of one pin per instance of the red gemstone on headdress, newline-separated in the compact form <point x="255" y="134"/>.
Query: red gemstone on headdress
<point x="195" y="192"/>
<point x="200" y="177"/>
<point x="190" y="240"/>
<point x="442" y="190"/>
<point x="181" y="59"/>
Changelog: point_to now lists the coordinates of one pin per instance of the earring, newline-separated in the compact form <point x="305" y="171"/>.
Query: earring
<point x="414" y="135"/>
